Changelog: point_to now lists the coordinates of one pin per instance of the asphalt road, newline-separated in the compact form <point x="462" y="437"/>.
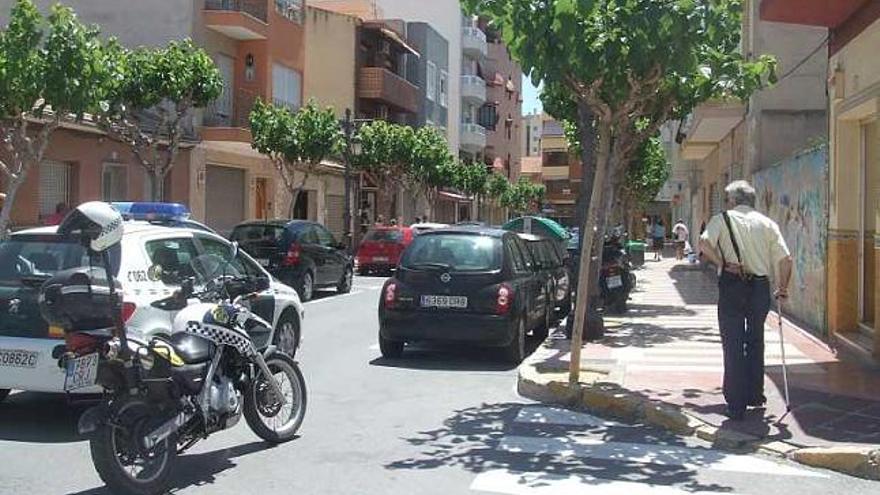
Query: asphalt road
<point x="438" y="421"/>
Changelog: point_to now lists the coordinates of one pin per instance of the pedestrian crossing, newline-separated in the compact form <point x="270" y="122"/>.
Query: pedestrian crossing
<point x="597" y="458"/>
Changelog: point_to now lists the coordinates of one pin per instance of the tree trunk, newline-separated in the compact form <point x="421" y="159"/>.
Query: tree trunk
<point x="294" y="197"/>
<point x="385" y="200"/>
<point x="12" y="187"/>
<point x="157" y="185"/>
<point x="588" y="236"/>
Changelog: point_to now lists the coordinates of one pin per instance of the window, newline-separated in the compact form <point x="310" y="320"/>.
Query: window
<point x="488" y="116"/>
<point x="54" y="186"/>
<point x="114" y="182"/>
<point x="174" y="257"/>
<point x="240" y="266"/>
<point x="291" y="9"/>
<point x="516" y="259"/>
<point x="431" y="81"/>
<point x="444" y="88"/>
<point x="325" y="238"/>
<point x="458" y="252"/>
<point x="308" y="235"/>
<point x="286" y="87"/>
<point x="524" y="253"/>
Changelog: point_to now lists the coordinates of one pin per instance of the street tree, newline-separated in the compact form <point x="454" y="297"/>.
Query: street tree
<point x="497" y="186"/>
<point x="432" y="165"/>
<point x="643" y="178"/>
<point x="52" y="70"/>
<point x="295" y="142"/>
<point x="387" y="158"/>
<point x="150" y="105"/>
<point x="524" y="197"/>
<point x="471" y="178"/>
<point x="629" y="66"/>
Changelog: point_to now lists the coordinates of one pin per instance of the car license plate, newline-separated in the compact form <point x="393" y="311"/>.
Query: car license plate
<point x="444" y="301"/>
<point x="81" y="372"/>
<point x="380" y="259"/>
<point x="263" y="262"/>
<point x="615" y="282"/>
<point x="13" y="358"/>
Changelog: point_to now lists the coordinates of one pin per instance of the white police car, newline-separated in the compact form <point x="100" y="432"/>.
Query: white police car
<point x="153" y="259"/>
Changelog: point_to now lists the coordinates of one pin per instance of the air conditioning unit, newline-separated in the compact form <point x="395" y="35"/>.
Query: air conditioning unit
<point x="566" y="192"/>
<point x="382" y="112"/>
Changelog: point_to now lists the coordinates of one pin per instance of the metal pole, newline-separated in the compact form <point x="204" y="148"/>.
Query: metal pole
<point x="784" y="366"/>
<point x="347" y="128"/>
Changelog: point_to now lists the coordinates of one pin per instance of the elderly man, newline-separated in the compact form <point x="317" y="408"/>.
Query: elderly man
<point x="745" y="246"/>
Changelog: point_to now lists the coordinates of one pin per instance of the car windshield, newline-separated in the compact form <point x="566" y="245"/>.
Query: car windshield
<point x="453" y="252"/>
<point x="384" y="235"/>
<point x="38" y="257"/>
<point x="258" y="233"/>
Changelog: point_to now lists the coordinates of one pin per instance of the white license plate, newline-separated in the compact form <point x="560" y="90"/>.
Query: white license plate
<point x="81" y="372"/>
<point x="444" y="301"/>
<point x="615" y="282"/>
<point x="380" y="259"/>
<point x="13" y="358"/>
<point x="263" y="262"/>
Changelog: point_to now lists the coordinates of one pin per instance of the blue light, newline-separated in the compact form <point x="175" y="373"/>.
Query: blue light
<point x="152" y="211"/>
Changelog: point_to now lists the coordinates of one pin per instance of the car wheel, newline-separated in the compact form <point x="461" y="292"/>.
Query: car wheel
<point x="4" y="393"/>
<point x="515" y="352"/>
<point x="544" y="330"/>
<point x="344" y="286"/>
<point x="391" y="349"/>
<point x="286" y="337"/>
<point x="306" y="287"/>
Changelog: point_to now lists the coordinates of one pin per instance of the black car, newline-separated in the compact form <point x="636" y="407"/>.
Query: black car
<point x="468" y="285"/>
<point x="549" y="263"/>
<point x="300" y="253"/>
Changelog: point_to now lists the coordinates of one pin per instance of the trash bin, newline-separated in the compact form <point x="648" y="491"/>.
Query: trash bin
<point x="636" y="251"/>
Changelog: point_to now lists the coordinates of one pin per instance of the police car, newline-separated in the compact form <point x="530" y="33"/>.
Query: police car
<point x="153" y="260"/>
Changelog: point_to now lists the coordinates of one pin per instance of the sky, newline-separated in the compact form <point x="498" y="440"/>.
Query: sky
<point x="531" y="102"/>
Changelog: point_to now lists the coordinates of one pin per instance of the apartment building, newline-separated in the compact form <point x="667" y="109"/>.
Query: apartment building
<point x="531" y="127"/>
<point x="560" y="172"/>
<point x="474" y="51"/>
<point x="501" y="113"/>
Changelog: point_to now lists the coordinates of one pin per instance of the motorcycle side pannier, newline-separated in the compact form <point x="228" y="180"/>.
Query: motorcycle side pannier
<point x="78" y="300"/>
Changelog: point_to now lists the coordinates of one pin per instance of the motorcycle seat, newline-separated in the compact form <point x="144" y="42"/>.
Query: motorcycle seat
<point x="192" y="349"/>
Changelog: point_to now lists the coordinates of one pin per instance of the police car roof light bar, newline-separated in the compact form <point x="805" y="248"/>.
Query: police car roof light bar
<point x="151" y="211"/>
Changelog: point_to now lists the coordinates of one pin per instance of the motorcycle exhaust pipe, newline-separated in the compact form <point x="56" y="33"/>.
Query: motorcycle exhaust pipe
<point x="165" y="430"/>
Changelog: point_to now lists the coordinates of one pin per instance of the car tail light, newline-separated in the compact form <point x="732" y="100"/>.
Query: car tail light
<point x="128" y="309"/>
<point x="81" y="343"/>
<point x="293" y="255"/>
<point x="390" y="295"/>
<point x="504" y="299"/>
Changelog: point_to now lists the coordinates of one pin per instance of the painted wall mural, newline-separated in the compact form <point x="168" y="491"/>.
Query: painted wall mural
<point x="794" y="193"/>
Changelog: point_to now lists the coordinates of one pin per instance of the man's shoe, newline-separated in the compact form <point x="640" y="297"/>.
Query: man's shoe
<point x="736" y="414"/>
<point x="759" y="402"/>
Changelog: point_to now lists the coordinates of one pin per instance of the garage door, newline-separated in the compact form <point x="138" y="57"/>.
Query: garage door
<point x="335" y="215"/>
<point x="224" y="201"/>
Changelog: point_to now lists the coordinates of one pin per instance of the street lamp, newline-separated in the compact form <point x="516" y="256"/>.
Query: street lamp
<point x="352" y="150"/>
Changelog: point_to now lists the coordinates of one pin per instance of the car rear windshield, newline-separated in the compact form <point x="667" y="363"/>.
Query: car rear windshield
<point x="384" y="235"/>
<point x="453" y="252"/>
<point x="258" y="233"/>
<point x="41" y="256"/>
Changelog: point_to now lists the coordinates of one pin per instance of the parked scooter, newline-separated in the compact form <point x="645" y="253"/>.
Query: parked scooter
<point x="616" y="278"/>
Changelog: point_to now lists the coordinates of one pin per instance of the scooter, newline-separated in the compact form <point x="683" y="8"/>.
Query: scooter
<point x="616" y="278"/>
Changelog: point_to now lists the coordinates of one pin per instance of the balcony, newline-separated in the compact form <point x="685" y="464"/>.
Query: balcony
<point x="241" y="20"/>
<point x="473" y="89"/>
<point x="473" y="138"/>
<point x="824" y="13"/>
<point x="710" y="123"/>
<point x="384" y="86"/>
<point x="473" y="42"/>
<point x="228" y="117"/>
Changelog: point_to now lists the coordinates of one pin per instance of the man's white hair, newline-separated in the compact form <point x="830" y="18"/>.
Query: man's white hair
<point x="740" y="192"/>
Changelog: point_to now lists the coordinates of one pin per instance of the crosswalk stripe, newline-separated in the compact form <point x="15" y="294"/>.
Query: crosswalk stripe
<point x="536" y="483"/>
<point x="664" y="455"/>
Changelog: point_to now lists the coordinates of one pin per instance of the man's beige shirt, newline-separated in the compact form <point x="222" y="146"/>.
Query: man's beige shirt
<point x="761" y="244"/>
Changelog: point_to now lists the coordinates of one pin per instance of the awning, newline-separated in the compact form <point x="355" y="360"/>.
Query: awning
<point x="393" y="36"/>
<point x="538" y="226"/>
<point x="454" y="196"/>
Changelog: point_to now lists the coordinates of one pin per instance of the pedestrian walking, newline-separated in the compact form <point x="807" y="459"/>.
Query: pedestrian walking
<point x="681" y="233"/>
<point x="658" y="236"/>
<point x="746" y="246"/>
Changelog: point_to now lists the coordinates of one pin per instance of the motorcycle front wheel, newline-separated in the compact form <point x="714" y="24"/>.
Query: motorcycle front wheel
<point x="270" y="419"/>
<point x="120" y="457"/>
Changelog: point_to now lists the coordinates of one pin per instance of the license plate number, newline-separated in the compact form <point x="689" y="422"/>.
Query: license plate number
<point x="444" y="301"/>
<point x="615" y="282"/>
<point x="380" y="259"/>
<point x="81" y="372"/>
<point x="12" y="358"/>
<point x="263" y="262"/>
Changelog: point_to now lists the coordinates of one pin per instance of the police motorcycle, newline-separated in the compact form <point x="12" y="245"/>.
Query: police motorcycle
<point x="163" y="396"/>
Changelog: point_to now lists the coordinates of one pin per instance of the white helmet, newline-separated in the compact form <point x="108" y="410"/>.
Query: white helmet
<point x="99" y="225"/>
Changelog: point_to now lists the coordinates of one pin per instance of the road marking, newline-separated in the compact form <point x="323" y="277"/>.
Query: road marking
<point x="559" y="416"/>
<point x="536" y="483"/>
<point x="799" y="369"/>
<point x="663" y="455"/>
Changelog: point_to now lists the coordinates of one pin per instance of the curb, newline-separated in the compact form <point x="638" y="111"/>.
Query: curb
<point x="598" y="393"/>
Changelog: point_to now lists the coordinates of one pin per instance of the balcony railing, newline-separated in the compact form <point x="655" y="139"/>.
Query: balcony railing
<point x="473" y="88"/>
<point x="222" y="113"/>
<point x="473" y="41"/>
<point x="473" y="137"/>
<point x="377" y="83"/>
<point x="255" y="8"/>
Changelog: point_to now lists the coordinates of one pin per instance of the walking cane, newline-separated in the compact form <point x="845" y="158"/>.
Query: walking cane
<point x="784" y="367"/>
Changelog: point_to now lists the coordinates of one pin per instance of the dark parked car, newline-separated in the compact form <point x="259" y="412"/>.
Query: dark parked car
<point x="300" y="253"/>
<point x="468" y="285"/>
<point x="549" y="263"/>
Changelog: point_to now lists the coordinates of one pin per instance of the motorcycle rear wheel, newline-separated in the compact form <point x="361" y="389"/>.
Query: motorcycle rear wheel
<point x="270" y="420"/>
<point x="117" y="451"/>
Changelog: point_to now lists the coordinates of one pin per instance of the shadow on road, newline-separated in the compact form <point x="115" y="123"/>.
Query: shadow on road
<point x="199" y="470"/>
<point x="451" y="357"/>
<point x="470" y="439"/>
<point x="41" y="418"/>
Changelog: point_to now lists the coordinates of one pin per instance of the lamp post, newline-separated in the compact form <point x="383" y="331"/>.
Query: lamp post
<point x="352" y="149"/>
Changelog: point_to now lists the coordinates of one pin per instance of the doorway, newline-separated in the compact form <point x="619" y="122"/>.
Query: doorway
<point x="261" y="198"/>
<point x="869" y="154"/>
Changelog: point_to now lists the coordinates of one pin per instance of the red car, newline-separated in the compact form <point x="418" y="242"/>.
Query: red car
<point x="381" y="248"/>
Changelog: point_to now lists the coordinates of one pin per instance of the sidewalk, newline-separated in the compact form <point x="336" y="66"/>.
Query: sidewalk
<point x="667" y="349"/>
